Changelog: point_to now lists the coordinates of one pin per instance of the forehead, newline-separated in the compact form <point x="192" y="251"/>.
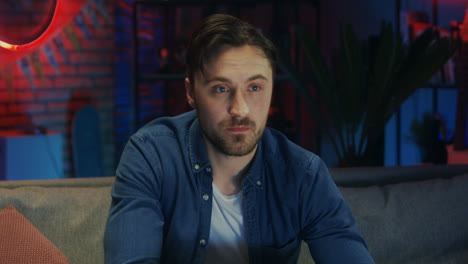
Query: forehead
<point x="246" y="59"/>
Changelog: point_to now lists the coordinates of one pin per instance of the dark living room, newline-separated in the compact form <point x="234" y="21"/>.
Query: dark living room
<point x="377" y="89"/>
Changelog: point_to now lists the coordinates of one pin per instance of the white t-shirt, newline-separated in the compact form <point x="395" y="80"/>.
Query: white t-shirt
<point x="227" y="242"/>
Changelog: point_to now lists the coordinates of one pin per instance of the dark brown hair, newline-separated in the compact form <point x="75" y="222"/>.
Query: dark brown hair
<point x="219" y="31"/>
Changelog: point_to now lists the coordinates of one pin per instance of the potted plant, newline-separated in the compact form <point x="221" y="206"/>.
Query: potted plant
<point x="430" y="135"/>
<point x="365" y="85"/>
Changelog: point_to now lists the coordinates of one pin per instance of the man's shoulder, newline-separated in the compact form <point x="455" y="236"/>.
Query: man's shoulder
<point x="174" y="127"/>
<point x="280" y="150"/>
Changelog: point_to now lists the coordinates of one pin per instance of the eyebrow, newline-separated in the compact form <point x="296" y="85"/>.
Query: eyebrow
<point x="258" y="76"/>
<point x="226" y="80"/>
<point x="220" y="79"/>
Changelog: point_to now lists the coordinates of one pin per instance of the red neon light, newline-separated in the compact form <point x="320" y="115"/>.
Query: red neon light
<point x="7" y="46"/>
<point x="33" y="43"/>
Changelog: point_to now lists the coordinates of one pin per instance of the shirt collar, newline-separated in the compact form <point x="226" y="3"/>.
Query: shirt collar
<point x="197" y="149"/>
<point x="255" y="176"/>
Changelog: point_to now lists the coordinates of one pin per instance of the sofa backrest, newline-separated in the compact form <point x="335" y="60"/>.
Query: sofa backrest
<point x="410" y="222"/>
<point x="368" y="176"/>
<point x="414" y="222"/>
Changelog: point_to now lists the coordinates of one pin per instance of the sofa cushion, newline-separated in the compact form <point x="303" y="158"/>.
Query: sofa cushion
<point x="22" y="243"/>
<point x="71" y="213"/>
<point x="414" y="222"/>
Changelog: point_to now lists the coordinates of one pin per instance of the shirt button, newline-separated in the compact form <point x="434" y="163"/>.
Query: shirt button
<point x="259" y="183"/>
<point x="208" y="169"/>
<point x="206" y="197"/>
<point x="202" y="242"/>
<point x="197" y="166"/>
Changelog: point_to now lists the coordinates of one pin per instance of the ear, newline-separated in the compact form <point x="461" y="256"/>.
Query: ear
<point x="189" y="92"/>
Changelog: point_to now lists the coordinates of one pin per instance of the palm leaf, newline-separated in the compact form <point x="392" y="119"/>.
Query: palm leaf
<point x="300" y="83"/>
<point x="351" y="86"/>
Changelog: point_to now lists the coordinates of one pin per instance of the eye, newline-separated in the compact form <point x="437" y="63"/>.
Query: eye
<point x="220" y="89"/>
<point x="255" y="88"/>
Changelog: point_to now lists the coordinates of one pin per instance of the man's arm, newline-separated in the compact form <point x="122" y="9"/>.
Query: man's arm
<point x="134" y="231"/>
<point x="329" y="226"/>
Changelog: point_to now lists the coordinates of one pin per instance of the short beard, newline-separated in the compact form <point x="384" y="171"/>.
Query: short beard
<point x="235" y="145"/>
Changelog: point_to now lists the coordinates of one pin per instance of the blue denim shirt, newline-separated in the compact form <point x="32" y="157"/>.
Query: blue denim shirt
<point x="162" y="199"/>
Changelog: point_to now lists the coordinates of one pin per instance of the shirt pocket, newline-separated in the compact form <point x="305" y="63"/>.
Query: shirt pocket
<point x="285" y="253"/>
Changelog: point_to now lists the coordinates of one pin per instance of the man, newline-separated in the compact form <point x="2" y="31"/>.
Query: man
<point x="214" y="185"/>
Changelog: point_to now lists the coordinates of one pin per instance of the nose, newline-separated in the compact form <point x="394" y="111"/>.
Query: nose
<point x="238" y="107"/>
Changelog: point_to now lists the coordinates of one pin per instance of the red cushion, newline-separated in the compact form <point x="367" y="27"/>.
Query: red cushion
<point x="21" y="242"/>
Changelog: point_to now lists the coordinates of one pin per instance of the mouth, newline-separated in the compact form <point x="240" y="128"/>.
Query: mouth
<point x="238" y="129"/>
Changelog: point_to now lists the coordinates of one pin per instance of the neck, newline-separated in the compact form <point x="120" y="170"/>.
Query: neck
<point x="228" y="171"/>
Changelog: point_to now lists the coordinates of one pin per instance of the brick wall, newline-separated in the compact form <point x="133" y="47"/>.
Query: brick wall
<point x="87" y="77"/>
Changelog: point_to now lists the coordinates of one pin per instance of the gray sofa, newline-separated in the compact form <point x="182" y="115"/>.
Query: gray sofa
<point x="406" y="214"/>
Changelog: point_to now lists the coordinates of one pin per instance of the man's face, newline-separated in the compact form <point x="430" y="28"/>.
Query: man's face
<point x="232" y="99"/>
